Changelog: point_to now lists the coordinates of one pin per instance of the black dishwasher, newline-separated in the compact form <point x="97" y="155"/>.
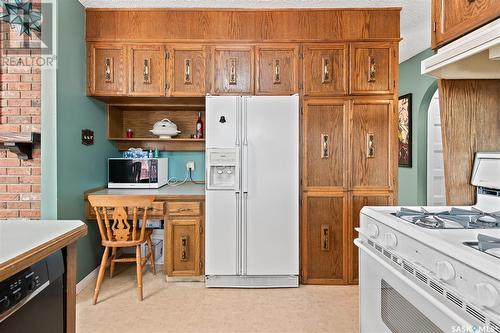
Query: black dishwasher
<point x="33" y="299"/>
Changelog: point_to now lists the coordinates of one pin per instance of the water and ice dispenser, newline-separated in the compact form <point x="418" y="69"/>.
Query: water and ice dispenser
<point x="222" y="169"/>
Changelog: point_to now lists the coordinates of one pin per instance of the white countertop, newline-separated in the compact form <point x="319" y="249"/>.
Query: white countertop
<point x="21" y="236"/>
<point x="184" y="189"/>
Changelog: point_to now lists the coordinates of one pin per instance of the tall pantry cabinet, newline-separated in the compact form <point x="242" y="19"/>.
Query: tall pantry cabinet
<point x="348" y="151"/>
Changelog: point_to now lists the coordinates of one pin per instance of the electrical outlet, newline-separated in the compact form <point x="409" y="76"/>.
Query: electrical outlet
<point x="190" y="165"/>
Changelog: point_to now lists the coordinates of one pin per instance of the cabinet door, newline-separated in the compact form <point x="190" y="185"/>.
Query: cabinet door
<point x="233" y="70"/>
<point x="325" y="138"/>
<point x="454" y="18"/>
<point x="358" y="201"/>
<point x="147" y="70"/>
<point x="277" y="69"/>
<point x="373" y="140"/>
<point x="372" y="68"/>
<point x="183" y="247"/>
<point x="106" y="70"/>
<point x="324" y="238"/>
<point x="325" y="69"/>
<point x="187" y="70"/>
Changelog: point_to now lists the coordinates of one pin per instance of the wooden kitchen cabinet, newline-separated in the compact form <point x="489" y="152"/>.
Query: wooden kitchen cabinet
<point x="106" y="69"/>
<point x="233" y="70"/>
<point x="184" y="239"/>
<point x="358" y="201"/>
<point x="454" y="18"/>
<point x="147" y="70"/>
<point x="324" y="238"/>
<point x="325" y="69"/>
<point x="186" y="70"/>
<point x="372" y="68"/>
<point x="277" y="70"/>
<point x="325" y="125"/>
<point x="373" y="142"/>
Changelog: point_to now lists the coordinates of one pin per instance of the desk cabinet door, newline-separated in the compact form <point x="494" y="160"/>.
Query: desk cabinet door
<point x="106" y="69"/>
<point x="186" y="70"/>
<point x="277" y="70"/>
<point x="183" y="247"/>
<point x="147" y="70"/>
<point x="233" y="70"/>
<point x="325" y="69"/>
<point x="372" y="68"/>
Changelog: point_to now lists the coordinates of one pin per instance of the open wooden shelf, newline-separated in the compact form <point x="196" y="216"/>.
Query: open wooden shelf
<point x="174" y="144"/>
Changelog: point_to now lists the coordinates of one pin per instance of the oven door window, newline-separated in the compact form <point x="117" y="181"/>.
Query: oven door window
<point x="400" y="315"/>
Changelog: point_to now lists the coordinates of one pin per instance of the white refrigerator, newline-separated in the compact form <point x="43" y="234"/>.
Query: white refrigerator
<point x="252" y="191"/>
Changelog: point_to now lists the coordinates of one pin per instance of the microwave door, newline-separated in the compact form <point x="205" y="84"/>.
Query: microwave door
<point x="135" y="173"/>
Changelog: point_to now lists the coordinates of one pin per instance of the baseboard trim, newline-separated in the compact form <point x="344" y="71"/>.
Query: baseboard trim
<point x="91" y="277"/>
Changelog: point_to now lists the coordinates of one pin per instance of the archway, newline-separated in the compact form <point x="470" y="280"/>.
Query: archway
<point x="435" y="164"/>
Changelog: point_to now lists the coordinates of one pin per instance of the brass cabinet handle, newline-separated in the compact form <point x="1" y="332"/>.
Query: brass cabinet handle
<point x="325" y="140"/>
<point x="232" y="71"/>
<point x="184" y="254"/>
<point x="370" y="145"/>
<point x="372" y="70"/>
<point x="180" y="210"/>
<point x="108" y="70"/>
<point x="325" y="237"/>
<point x="277" y="72"/>
<point x="147" y="71"/>
<point x="187" y="71"/>
<point x="327" y="75"/>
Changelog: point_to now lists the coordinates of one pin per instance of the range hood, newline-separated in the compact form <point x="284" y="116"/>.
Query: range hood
<point x="473" y="56"/>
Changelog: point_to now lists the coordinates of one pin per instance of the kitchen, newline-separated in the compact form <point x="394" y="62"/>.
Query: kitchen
<point x="264" y="133"/>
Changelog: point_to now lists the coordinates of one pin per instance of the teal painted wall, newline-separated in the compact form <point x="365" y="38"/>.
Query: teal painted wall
<point x="177" y="164"/>
<point x="413" y="181"/>
<point x="79" y="167"/>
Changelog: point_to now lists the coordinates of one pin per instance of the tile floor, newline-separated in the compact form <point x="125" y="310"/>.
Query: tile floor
<point x="190" y="307"/>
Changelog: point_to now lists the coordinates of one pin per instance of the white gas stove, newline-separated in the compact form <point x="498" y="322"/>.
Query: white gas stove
<point x="433" y="269"/>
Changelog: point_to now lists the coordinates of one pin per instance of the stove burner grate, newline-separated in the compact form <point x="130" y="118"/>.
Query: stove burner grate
<point x="486" y="244"/>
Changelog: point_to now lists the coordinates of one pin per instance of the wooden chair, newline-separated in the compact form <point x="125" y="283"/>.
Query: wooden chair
<point x="120" y="233"/>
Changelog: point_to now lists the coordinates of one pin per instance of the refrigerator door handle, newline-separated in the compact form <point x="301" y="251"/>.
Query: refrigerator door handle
<point x="238" y="232"/>
<point x="245" y="117"/>
<point x="238" y="121"/>
<point x="244" y="234"/>
<point x="244" y="159"/>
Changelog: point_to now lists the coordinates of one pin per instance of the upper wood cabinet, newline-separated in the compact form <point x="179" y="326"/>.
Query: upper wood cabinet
<point x="147" y="70"/>
<point x="325" y="124"/>
<point x="186" y="70"/>
<point x="106" y="68"/>
<point x="454" y="18"/>
<point x="371" y="68"/>
<point x="233" y="70"/>
<point x="373" y="142"/>
<point x="277" y="71"/>
<point x="325" y="69"/>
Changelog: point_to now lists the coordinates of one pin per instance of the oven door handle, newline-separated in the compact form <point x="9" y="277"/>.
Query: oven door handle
<point x="452" y="315"/>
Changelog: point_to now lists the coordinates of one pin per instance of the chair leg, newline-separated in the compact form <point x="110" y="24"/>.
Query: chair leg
<point x="112" y="265"/>
<point x="102" y="270"/>
<point x="138" y="259"/>
<point x="151" y="255"/>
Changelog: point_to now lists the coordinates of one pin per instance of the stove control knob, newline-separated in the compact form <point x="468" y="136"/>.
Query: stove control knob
<point x="487" y="295"/>
<point x="372" y="230"/>
<point x="390" y="240"/>
<point x="445" y="271"/>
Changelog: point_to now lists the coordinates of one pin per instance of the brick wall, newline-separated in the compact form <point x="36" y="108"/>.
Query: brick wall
<point x="19" y="112"/>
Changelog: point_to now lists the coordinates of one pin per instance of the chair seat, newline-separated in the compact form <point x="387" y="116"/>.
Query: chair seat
<point x="147" y="233"/>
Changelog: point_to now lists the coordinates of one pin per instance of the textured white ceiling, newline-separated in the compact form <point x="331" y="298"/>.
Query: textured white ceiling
<point x="415" y="16"/>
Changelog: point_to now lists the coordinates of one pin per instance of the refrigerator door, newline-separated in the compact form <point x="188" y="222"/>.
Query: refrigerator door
<point x="222" y="121"/>
<point x="222" y="254"/>
<point x="270" y="185"/>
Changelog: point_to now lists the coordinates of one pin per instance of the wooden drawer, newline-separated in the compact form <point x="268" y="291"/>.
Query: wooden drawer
<point x="184" y="208"/>
<point x="157" y="210"/>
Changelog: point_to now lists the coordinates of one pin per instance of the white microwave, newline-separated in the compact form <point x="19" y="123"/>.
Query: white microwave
<point x="137" y="172"/>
